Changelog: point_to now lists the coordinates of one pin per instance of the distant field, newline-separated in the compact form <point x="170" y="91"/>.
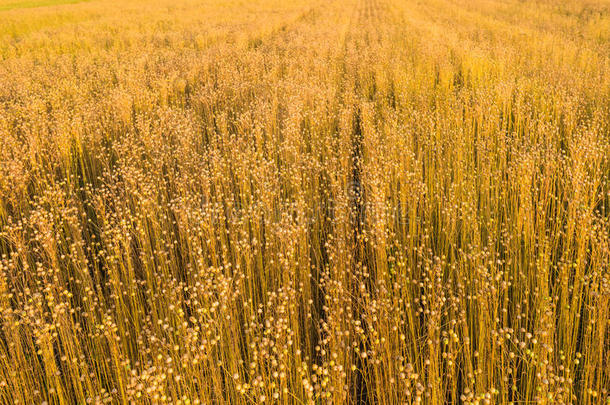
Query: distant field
<point x="305" y="202"/>
<point x="10" y="5"/>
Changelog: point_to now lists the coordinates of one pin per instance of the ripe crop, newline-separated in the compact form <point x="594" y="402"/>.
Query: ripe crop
<point x="305" y="202"/>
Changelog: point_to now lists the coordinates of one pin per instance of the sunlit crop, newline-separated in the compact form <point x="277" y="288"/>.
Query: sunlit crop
<point x="305" y="202"/>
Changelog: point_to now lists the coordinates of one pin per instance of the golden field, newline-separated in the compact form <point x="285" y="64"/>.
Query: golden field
<point x="305" y="202"/>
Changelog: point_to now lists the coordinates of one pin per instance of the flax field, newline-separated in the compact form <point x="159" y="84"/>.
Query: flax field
<point x="305" y="202"/>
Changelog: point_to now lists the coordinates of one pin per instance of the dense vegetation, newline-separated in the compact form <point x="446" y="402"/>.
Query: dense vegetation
<point x="290" y="201"/>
